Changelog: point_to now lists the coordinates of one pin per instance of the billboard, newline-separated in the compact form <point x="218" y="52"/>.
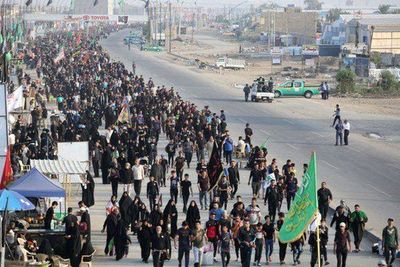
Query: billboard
<point x="310" y="50"/>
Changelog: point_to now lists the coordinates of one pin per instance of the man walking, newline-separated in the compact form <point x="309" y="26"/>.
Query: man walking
<point x="228" y="148"/>
<point x="339" y="133"/>
<point x="336" y="114"/>
<point x="255" y="178"/>
<point x="159" y="245"/>
<point x="126" y="176"/>
<point x="203" y="184"/>
<point x="346" y="127"/>
<point x="342" y="245"/>
<point x="246" y="239"/>
<point x="152" y="192"/>
<point x="183" y="237"/>
<point x="234" y="178"/>
<point x="390" y="242"/>
<point x="324" y="198"/>
<point x="246" y="91"/>
<point x="138" y="176"/>
<point x="358" y="218"/>
<point x="272" y="196"/>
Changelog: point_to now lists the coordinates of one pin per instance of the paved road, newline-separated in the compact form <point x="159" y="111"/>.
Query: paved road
<point x="102" y="194"/>
<point x="267" y="120"/>
<point x="366" y="172"/>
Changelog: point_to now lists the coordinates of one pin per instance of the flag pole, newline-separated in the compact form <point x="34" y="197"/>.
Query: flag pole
<point x="316" y="201"/>
<point x="318" y="247"/>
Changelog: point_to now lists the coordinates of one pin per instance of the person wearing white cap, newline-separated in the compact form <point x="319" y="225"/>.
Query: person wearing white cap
<point x="382" y="263"/>
<point x="341" y="245"/>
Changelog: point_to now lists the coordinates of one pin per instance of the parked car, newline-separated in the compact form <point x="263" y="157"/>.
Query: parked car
<point x="296" y="88"/>
<point x="153" y="48"/>
<point x="230" y="63"/>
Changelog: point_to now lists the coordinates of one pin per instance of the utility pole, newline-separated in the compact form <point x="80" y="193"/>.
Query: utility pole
<point x="159" y="43"/>
<point x="155" y="23"/>
<point x="170" y="28"/>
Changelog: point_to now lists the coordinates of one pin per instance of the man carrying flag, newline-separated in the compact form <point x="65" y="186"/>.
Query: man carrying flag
<point x="304" y="208"/>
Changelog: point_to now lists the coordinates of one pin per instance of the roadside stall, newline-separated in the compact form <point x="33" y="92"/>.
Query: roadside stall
<point x="40" y="190"/>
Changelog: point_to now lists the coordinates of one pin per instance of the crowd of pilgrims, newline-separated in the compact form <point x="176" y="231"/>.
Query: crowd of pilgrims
<point x="92" y="92"/>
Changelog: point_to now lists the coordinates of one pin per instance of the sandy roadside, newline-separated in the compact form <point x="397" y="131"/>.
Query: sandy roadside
<point x="207" y="49"/>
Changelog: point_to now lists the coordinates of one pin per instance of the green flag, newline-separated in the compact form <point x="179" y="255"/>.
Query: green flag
<point x="304" y="208"/>
<point x="264" y="145"/>
<point x="8" y="56"/>
<point x="1" y="38"/>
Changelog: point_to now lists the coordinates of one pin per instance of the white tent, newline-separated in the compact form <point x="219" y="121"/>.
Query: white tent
<point x="65" y="167"/>
<point x="68" y="172"/>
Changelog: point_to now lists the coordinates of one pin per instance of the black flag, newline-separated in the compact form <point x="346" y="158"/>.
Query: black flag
<point x="95" y="2"/>
<point x="28" y="3"/>
<point x="147" y="4"/>
<point x="49" y="2"/>
<point x="214" y="167"/>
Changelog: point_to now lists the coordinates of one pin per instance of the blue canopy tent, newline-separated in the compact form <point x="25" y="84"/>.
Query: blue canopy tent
<point x="36" y="184"/>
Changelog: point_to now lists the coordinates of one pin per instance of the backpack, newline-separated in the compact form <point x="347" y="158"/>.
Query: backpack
<point x="211" y="232"/>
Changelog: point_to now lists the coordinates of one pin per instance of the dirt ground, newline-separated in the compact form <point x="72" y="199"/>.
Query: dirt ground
<point x="206" y="47"/>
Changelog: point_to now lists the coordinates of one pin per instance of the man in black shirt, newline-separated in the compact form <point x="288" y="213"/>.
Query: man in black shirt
<point x="339" y="217"/>
<point x="246" y="240"/>
<point x="272" y="196"/>
<point x="183" y="237"/>
<point x="248" y="132"/>
<point x="152" y="192"/>
<point x="255" y="178"/>
<point x="234" y="178"/>
<point x="269" y="235"/>
<point x="324" y="198"/>
<point x="70" y="222"/>
<point x="50" y="215"/>
<point x="186" y="189"/>
<point x="159" y="246"/>
<point x="282" y="246"/>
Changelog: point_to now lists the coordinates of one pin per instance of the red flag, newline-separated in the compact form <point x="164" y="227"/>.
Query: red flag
<point x="7" y="171"/>
<point x="214" y="167"/>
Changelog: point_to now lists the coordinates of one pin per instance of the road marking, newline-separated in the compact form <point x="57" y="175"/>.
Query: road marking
<point x="288" y="121"/>
<point x="265" y="132"/>
<point x="379" y="191"/>
<point x="320" y="135"/>
<point x="394" y="166"/>
<point x="327" y="163"/>
<point x="356" y="150"/>
<point x="241" y="120"/>
<point x="292" y="146"/>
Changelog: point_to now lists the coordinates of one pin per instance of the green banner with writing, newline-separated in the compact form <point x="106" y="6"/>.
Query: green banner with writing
<point x="304" y="208"/>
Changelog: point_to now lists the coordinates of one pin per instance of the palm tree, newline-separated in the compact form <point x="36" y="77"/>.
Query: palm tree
<point x="383" y="9"/>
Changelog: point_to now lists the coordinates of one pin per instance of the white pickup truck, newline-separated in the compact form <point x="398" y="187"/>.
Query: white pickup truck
<point x="258" y="94"/>
<point x="230" y="63"/>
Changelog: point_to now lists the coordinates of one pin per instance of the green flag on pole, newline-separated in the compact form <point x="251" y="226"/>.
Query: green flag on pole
<point x="264" y="145"/>
<point x="304" y="208"/>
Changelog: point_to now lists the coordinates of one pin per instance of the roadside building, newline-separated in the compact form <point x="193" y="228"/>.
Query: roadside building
<point x="379" y="32"/>
<point x="300" y="25"/>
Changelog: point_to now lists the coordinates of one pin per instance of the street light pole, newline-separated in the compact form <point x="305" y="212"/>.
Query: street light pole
<point x="170" y="28"/>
